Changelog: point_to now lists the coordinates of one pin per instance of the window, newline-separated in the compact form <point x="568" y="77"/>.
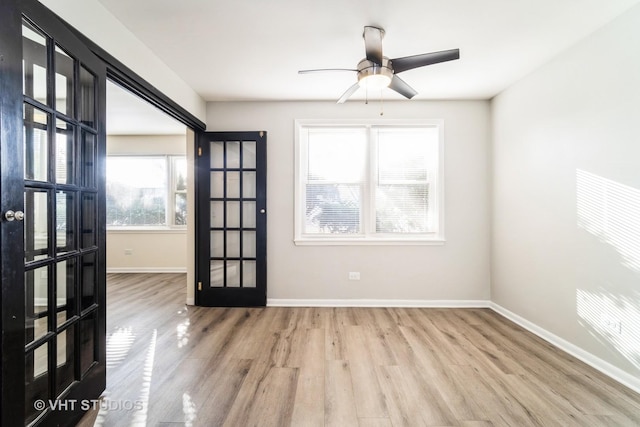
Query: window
<point x="368" y="183"/>
<point x="146" y="191"/>
<point x="179" y="190"/>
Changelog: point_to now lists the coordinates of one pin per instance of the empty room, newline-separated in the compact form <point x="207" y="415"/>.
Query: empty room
<point x="339" y="213"/>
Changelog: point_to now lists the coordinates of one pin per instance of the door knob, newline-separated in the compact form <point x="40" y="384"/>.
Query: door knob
<point x="262" y="211"/>
<point x="11" y="215"/>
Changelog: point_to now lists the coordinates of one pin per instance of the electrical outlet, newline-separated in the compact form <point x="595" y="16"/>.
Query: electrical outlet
<point x="612" y="324"/>
<point x="128" y="251"/>
<point x="354" y="275"/>
<point x="615" y="325"/>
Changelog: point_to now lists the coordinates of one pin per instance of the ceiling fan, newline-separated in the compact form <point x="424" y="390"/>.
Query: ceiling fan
<point x="377" y="72"/>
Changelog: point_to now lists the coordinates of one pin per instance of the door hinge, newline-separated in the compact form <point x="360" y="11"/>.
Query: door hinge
<point x="199" y="151"/>
<point x="199" y="286"/>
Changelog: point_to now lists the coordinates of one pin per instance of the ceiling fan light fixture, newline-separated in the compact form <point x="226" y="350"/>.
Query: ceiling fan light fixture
<point x="374" y="76"/>
<point x="375" y="81"/>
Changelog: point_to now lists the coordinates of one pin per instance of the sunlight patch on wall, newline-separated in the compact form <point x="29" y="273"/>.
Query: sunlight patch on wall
<point x="614" y="320"/>
<point x="610" y="211"/>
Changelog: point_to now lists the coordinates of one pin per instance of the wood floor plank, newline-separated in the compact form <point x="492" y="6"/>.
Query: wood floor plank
<point x="339" y="407"/>
<point x="272" y="405"/>
<point x="433" y="370"/>
<point x="308" y="407"/>
<point x="409" y="403"/>
<point x="203" y="367"/>
<point x="369" y="399"/>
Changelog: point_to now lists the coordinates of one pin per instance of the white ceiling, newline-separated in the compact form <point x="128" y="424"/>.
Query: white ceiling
<point x="252" y="49"/>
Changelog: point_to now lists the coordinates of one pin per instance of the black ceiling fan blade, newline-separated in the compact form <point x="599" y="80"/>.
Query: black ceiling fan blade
<point x="410" y="62"/>
<point x="373" y="43"/>
<point x="322" y="70"/>
<point x="348" y="93"/>
<point x="402" y="87"/>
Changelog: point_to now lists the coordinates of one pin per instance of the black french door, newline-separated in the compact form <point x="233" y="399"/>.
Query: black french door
<point x="231" y="219"/>
<point x="52" y="231"/>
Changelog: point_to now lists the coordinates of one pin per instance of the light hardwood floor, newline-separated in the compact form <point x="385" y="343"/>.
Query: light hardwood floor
<point x="195" y="366"/>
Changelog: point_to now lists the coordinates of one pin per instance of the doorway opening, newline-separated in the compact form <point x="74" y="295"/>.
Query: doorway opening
<point x="149" y="165"/>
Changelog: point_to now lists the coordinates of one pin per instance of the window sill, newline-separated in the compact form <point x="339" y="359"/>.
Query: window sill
<point x="146" y="230"/>
<point x="306" y="241"/>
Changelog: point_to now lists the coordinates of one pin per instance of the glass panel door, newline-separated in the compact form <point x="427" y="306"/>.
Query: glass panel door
<point x="56" y="180"/>
<point x="50" y="214"/>
<point x="232" y="213"/>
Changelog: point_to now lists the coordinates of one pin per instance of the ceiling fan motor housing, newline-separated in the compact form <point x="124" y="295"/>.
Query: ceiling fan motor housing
<point x="375" y="76"/>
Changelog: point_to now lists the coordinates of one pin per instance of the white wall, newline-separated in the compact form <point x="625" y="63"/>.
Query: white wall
<point x="93" y="20"/>
<point x="459" y="270"/>
<point x="566" y="195"/>
<point x="147" y="250"/>
<point x="157" y="251"/>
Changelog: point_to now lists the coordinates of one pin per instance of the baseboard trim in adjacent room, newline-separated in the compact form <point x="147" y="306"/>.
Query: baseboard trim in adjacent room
<point x="146" y="270"/>
<point x="603" y="366"/>
<point x="275" y="302"/>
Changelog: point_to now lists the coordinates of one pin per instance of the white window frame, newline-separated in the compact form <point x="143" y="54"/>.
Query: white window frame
<point x="368" y="235"/>
<point x="170" y="191"/>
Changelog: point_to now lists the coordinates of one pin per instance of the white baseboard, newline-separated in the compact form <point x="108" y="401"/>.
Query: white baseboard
<point x="603" y="366"/>
<point x="275" y="302"/>
<point x="146" y="269"/>
<point x="191" y="301"/>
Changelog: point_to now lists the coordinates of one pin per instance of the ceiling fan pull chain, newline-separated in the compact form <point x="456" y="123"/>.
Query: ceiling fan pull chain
<point x="381" y="104"/>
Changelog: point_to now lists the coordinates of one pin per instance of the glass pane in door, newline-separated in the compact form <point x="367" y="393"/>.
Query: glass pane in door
<point x="233" y="155"/>
<point x="36" y="143"/>
<point x="233" y="274"/>
<point x="36" y="287"/>
<point x="87" y="103"/>
<point x="64" y="153"/>
<point x="36" y="380"/>
<point x="233" y="184"/>
<point x="88" y="281"/>
<point x="216" y="274"/>
<point x="217" y="155"/>
<point x="36" y="225"/>
<point x="64" y="359"/>
<point x="65" y="221"/>
<point x="88" y="171"/>
<point x="65" y="290"/>
<point x="88" y="353"/>
<point x="64" y="82"/>
<point x="249" y="214"/>
<point x="34" y="62"/>
<point x="249" y="184"/>
<point x="249" y="154"/>
<point x="88" y="222"/>
<point x="248" y="274"/>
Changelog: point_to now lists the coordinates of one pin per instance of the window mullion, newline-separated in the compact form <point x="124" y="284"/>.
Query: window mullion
<point x="372" y="174"/>
<point x="169" y="215"/>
